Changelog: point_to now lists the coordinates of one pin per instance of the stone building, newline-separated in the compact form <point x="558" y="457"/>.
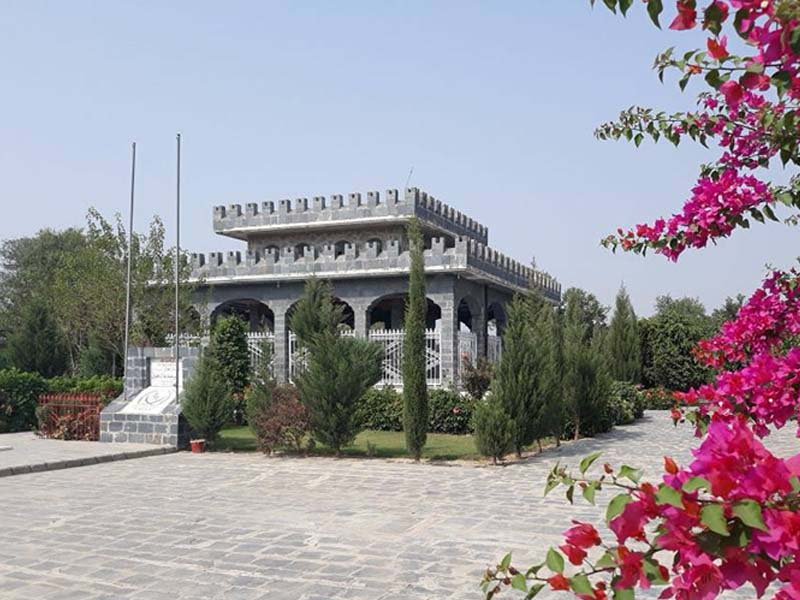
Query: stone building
<point x="359" y="244"/>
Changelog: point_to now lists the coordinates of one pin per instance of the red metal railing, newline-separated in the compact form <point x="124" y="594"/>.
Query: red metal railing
<point x="70" y="416"/>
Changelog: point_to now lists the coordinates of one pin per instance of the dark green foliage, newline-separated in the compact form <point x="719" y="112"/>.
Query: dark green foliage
<point x="477" y="378"/>
<point x="623" y="349"/>
<point x="105" y="385"/>
<point x="37" y="344"/>
<point x="93" y="360"/>
<point x="494" y="429"/>
<point x="587" y="309"/>
<point x="207" y="403"/>
<point x="450" y="412"/>
<point x="315" y="313"/>
<point x="547" y="334"/>
<point x="381" y="409"/>
<point x="728" y="311"/>
<point x="230" y="353"/>
<point x="339" y="372"/>
<point x="415" y="388"/>
<point x="672" y="334"/>
<point x="585" y="380"/>
<point x="19" y="397"/>
<point x="627" y="402"/>
<point x="516" y="386"/>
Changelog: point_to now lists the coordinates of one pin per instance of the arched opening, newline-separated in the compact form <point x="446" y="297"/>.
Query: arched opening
<point x="339" y="248"/>
<point x="496" y="319"/>
<point x="348" y="315"/>
<point x="257" y="315"/>
<point x="388" y="312"/>
<point x="468" y="314"/>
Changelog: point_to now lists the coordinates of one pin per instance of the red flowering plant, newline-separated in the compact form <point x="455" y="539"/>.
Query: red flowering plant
<point x="731" y="517"/>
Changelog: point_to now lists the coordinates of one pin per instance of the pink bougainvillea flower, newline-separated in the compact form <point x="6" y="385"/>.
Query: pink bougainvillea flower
<point x="582" y="535"/>
<point x="559" y="583"/>
<point x="733" y="93"/>
<point x="687" y="16"/>
<point x="718" y="48"/>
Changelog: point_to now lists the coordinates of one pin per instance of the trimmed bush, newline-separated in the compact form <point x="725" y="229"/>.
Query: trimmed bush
<point x="19" y="397"/>
<point x="658" y="399"/>
<point x="207" y="403"/>
<point x="494" y="430"/>
<point x="381" y="409"/>
<point x="450" y="412"/>
<point x="283" y="423"/>
<point x="106" y="386"/>
<point x="624" y="402"/>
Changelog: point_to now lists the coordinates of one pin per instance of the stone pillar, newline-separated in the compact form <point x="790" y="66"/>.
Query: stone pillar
<point x="449" y="336"/>
<point x="281" y="349"/>
<point x="479" y="329"/>
<point x="360" y="317"/>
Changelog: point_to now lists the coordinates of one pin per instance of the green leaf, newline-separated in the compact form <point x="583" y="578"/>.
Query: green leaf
<point x="630" y="473"/>
<point x="669" y="495"/>
<point x="653" y="572"/>
<point x="555" y="562"/>
<point x="535" y="589"/>
<point x="749" y="513"/>
<point x="518" y="582"/>
<point x="624" y="5"/>
<point x="607" y="561"/>
<point x="626" y="594"/>
<point x="611" y="4"/>
<point x="795" y="481"/>
<point x="782" y="80"/>
<point x="695" y="484"/>
<point x="713" y="517"/>
<point x="588" y="461"/>
<point x="570" y="493"/>
<point x="654" y="9"/>
<point x="581" y="585"/>
<point x="552" y="483"/>
<point x="589" y="492"/>
<point x="616" y="506"/>
<point x="506" y="562"/>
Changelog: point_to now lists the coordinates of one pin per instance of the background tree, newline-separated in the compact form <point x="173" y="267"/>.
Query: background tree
<point x="672" y="334"/>
<point x="547" y="333"/>
<point x="415" y="386"/>
<point x="316" y="312"/>
<point x="623" y="343"/>
<point x="516" y="385"/>
<point x="229" y="348"/>
<point x="37" y="345"/>
<point x="728" y="311"/>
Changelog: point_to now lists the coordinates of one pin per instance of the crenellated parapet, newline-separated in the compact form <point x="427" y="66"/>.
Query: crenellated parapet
<point x="337" y="211"/>
<point x="466" y="256"/>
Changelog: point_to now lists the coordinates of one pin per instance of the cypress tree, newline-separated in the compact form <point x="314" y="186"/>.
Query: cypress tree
<point x="547" y="334"/>
<point x="315" y="313"/>
<point x="623" y="346"/>
<point x="415" y="388"/>
<point x="230" y="352"/>
<point x="517" y="381"/>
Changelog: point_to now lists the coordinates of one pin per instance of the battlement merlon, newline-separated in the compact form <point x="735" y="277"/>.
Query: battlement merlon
<point x="467" y="258"/>
<point x="334" y="212"/>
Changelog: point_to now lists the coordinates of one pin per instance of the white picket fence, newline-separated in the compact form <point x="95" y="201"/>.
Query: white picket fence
<point x="392" y="342"/>
<point x="494" y="348"/>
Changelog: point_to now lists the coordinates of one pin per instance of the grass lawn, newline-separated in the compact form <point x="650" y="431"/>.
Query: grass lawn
<point x="388" y="444"/>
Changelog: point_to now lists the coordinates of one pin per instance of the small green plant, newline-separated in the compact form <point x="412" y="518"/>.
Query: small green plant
<point x="476" y="378"/>
<point x="206" y="402"/>
<point x="494" y="430"/>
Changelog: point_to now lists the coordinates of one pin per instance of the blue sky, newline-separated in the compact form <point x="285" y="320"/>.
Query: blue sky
<point x="493" y="104"/>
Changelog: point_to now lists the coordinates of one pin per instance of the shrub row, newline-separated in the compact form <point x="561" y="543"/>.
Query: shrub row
<point x="20" y="391"/>
<point x="382" y="409"/>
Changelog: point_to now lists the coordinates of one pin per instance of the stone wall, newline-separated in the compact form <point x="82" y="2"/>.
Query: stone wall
<point x="166" y="429"/>
<point x="334" y="211"/>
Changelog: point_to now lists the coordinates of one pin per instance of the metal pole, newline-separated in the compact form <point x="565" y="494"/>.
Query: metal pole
<point x="128" y="280"/>
<point x="177" y="271"/>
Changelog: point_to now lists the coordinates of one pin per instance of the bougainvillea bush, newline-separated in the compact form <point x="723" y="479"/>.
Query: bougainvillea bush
<point x="730" y="518"/>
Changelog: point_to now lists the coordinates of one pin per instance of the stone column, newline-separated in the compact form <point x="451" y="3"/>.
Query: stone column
<point x="360" y="317"/>
<point x="449" y="336"/>
<point x="479" y="329"/>
<point x="281" y="349"/>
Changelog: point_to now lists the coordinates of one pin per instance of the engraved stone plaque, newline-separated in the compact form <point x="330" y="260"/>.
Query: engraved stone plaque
<point x="159" y="394"/>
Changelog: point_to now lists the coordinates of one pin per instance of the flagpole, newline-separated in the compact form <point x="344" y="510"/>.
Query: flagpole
<point x="177" y="270"/>
<point x="128" y="278"/>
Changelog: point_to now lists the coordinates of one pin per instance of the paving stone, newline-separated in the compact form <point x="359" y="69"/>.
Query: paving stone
<point x="247" y="527"/>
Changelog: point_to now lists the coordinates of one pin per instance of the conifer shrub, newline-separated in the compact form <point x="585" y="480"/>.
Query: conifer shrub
<point x="340" y="370"/>
<point x="207" y="403"/>
<point x="494" y="429"/>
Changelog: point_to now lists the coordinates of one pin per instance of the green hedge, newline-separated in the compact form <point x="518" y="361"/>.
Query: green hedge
<point x="105" y="385"/>
<point x="626" y="402"/>
<point x="19" y="396"/>
<point x="382" y="409"/>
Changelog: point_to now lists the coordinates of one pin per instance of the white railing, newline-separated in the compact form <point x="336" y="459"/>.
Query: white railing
<point x="298" y="356"/>
<point x="261" y="343"/>
<point x="392" y="342"/>
<point x="494" y="348"/>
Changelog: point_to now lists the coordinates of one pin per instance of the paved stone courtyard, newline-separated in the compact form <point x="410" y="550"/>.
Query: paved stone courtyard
<point x="225" y="526"/>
